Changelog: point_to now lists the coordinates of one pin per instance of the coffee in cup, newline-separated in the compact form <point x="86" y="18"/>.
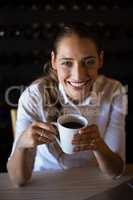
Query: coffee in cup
<point x="68" y="125"/>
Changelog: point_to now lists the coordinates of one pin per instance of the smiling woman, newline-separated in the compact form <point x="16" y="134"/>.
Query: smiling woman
<point x="72" y="85"/>
<point x="77" y="63"/>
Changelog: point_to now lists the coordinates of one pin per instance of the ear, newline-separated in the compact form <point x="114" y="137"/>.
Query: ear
<point x="53" y="60"/>
<point x="101" y="57"/>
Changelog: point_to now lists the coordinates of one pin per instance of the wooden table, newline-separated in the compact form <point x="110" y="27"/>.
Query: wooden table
<point x="73" y="184"/>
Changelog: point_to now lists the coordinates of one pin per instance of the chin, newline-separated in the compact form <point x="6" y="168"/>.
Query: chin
<point x="77" y="96"/>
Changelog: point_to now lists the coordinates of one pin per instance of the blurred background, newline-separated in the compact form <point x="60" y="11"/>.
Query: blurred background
<point x="26" y="32"/>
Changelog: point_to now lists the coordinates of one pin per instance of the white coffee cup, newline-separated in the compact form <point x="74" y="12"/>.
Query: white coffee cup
<point x="68" y="125"/>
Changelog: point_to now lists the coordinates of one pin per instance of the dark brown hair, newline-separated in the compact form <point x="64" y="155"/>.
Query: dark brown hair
<point x="81" y="30"/>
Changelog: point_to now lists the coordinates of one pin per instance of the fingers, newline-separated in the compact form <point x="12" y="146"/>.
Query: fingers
<point x="90" y="145"/>
<point x="45" y="130"/>
<point x="43" y="140"/>
<point x="86" y="138"/>
<point x="39" y="139"/>
<point x="45" y="125"/>
<point x="87" y="133"/>
<point x="85" y="147"/>
<point x="43" y="133"/>
<point x="88" y="129"/>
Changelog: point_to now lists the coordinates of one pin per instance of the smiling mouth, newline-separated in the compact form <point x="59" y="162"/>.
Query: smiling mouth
<point x="78" y="85"/>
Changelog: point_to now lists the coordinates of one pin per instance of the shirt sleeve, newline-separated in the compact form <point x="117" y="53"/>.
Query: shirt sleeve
<point x="115" y="133"/>
<point x="29" y="110"/>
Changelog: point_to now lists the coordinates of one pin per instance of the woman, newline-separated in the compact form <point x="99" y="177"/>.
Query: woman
<point x="72" y="85"/>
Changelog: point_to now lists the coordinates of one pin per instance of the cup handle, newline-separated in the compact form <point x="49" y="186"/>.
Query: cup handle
<point x="57" y="139"/>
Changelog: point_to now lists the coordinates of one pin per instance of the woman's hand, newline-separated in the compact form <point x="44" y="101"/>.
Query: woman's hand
<point x="37" y="133"/>
<point x="87" y="138"/>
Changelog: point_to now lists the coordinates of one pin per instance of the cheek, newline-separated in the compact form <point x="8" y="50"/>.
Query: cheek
<point x="62" y="75"/>
<point x="93" y="74"/>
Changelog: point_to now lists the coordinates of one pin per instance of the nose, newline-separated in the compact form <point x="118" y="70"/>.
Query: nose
<point x="78" y="73"/>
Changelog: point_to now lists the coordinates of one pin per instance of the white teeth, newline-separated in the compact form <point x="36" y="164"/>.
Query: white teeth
<point x="74" y="84"/>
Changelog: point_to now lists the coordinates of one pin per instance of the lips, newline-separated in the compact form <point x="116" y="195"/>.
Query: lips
<point x="77" y="84"/>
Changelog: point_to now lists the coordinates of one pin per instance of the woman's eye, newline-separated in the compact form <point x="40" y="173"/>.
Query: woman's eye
<point x="89" y="63"/>
<point x="67" y="63"/>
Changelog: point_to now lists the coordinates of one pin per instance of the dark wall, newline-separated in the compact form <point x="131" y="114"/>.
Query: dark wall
<point x="26" y="32"/>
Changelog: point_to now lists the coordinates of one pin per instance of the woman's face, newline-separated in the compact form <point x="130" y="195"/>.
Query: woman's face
<point x="77" y="63"/>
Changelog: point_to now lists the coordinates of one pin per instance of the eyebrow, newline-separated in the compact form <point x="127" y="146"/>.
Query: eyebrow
<point x="89" y="57"/>
<point x="84" y="58"/>
<point x="66" y="58"/>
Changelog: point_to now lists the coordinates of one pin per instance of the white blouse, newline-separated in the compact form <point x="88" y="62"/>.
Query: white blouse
<point x="106" y="106"/>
